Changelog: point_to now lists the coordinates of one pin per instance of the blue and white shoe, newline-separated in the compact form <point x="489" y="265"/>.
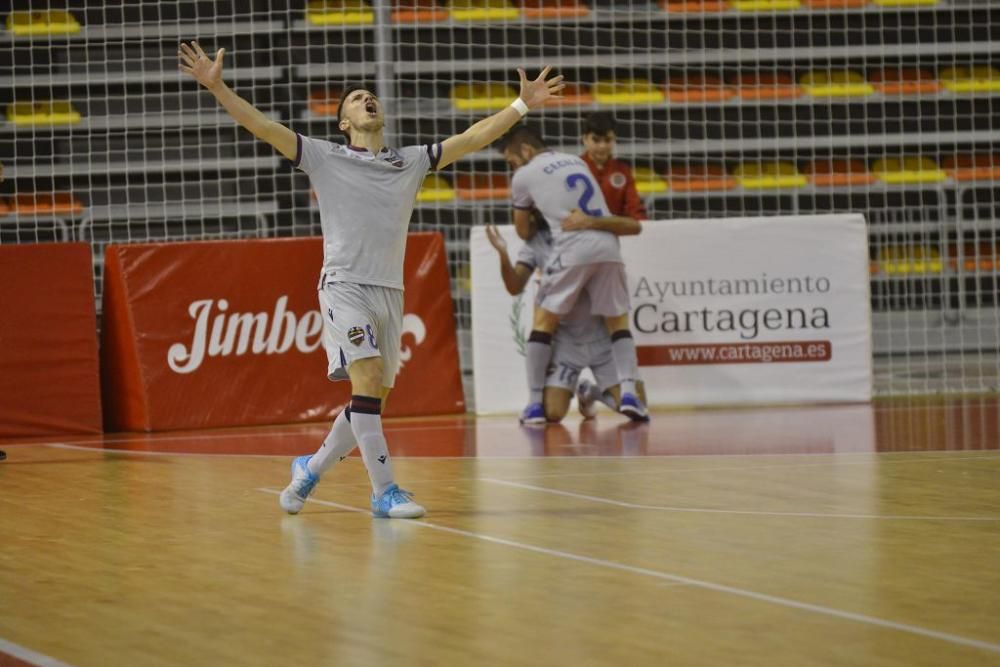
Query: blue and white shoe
<point x="586" y="405"/>
<point x="632" y="407"/>
<point x="533" y="414"/>
<point x="395" y="503"/>
<point x="294" y="496"/>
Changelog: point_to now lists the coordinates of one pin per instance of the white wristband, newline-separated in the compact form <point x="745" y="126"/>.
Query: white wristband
<point x="521" y="107"/>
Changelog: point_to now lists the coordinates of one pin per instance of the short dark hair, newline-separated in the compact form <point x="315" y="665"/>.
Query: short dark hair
<point x="348" y="89"/>
<point x="523" y="135"/>
<point x="600" y="123"/>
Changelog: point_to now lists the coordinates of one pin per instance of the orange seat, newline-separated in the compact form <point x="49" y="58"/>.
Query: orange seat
<point x="981" y="167"/>
<point x="324" y="102"/>
<point x="47" y="202"/>
<point x="765" y="86"/>
<point x="985" y="257"/>
<point x="698" y="88"/>
<point x="482" y="186"/>
<point x="904" y="81"/>
<point x="416" y="11"/>
<point x="4" y="208"/>
<point x="699" y="178"/>
<point x="553" y="9"/>
<point x="694" y="5"/>
<point x="838" y="173"/>
<point x="572" y="94"/>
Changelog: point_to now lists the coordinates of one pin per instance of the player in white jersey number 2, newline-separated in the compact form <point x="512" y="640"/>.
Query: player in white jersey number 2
<point x="366" y="193"/>
<point x="586" y="258"/>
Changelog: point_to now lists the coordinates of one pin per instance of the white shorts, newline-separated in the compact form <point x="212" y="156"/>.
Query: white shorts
<point x="604" y="283"/>
<point x="569" y="359"/>
<point x="361" y="321"/>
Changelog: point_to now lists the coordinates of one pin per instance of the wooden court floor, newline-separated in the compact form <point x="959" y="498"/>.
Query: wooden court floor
<point x="841" y="535"/>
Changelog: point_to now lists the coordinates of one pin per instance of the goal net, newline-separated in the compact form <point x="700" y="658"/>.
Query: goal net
<point x="723" y="108"/>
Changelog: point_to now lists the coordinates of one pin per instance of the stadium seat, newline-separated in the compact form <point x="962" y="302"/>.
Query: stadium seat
<point x="976" y="79"/>
<point x="435" y="189"/>
<point x="648" y="182"/>
<point x="838" y="173"/>
<point x="339" y="12"/>
<point x="907" y="260"/>
<point x="553" y="9"/>
<point x="44" y="203"/>
<point x="42" y="113"/>
<point x="698" y="88"/>
<point x="905" y="170"/>
<point x="418" y="11"/>
<point x="627" y="91"/>
<point x="53" y="22"/>
<point x="694" y="5"/>
<point x="482" y="186"/>
<point x="483" y="10"/>
<point x="834" y="4"/>
<point x="572" y="94"/>
<point x="324" y="102"/>
<point x="768" y="175"/>
<point x="482" y="96"/>
<point x="4" y="207"/>
<point x="755" y="86"/>
<point x="836" y="83"/>
<point x="904" y="81"/>
<point x="699" y="178"/>
<point x="764" y="5"/>
<point x="903" y="3"/>
<point x="981" y="167"/>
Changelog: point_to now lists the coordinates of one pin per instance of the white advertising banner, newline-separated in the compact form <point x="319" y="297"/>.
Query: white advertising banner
<point x="731" y="311"/>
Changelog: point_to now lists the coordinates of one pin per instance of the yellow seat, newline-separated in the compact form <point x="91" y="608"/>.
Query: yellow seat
<point x="903" y="3"/>
<point x="43" y="113"/>
<point x="483" y="10"/>
<point x="769" y="175"/>
<point x="835" y="83"/>
<point x="925" y="260"/>
<point x="435" y="189"/>
<point x="339" y="12"/>
<point x="482" y="96"/>
<point x="764" y="5"/>
<point x="913" y="169"/>
<point x="977" y="79"/>
<point x="53" y="22"/>
<point x="627" y="91"/>
<point x="648" y="182"/>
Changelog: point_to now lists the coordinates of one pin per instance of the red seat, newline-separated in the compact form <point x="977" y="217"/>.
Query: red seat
<point x="47" y="202"/>
<point x="482" y="186"/>
<point x="699" y="178"/>
<point x="838" y="173"/>
<point x="981" y="167"/>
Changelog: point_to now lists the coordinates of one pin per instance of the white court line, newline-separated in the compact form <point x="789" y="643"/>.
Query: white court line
<point x="29" y="656"/>
<point x="644" y="458"/>
<point x="703" y="510"/>
<point x="698" y="583"/>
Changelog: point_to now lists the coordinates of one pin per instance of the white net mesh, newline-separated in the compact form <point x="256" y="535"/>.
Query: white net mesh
<point x="747" y="107"/>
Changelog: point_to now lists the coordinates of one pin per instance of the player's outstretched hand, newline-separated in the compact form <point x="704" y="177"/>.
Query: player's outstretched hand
<point x="577" y="220"/>
<point x="495" y="239"/>
<point x="203" y="69"/>
<point x="535" y="93"/>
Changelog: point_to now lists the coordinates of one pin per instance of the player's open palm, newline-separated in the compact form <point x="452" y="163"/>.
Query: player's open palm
<point x="495" y="239"/>
<point x="203" y="69"/>
<point x="536" y="93"/>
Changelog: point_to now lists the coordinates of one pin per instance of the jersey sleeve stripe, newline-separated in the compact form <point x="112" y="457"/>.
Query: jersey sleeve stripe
<point x="434" y="154"/>
<point x="298" y="150"/>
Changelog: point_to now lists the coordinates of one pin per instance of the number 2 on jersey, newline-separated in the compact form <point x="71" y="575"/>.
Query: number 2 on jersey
<point x="588" y="192"/>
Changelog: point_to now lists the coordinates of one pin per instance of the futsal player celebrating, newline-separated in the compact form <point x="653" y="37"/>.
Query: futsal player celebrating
<point x="586" y="257"/>
<point x="581" y="339"/>
<point x="366" y="192"/>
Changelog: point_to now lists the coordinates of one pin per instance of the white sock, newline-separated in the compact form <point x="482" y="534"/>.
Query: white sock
<point x="626" y="363"/>
<point x="339" y="442"/>
<point x="366" y="422"/>
<point x="537" y="355"/>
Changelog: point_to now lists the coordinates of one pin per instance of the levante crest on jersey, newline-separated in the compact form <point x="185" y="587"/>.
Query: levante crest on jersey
<point x="356" y="335"/>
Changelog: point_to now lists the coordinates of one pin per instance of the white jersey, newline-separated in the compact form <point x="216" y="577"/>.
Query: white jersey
<point x="579" y="326"/>
<point x="365" y="204"/>
<point x="555" y="184"/>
